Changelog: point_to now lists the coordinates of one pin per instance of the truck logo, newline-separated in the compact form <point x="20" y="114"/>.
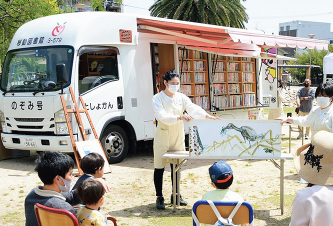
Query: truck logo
<point x="58" y="29"/>
<point x="27" y="106"/>
<point x="125" y="35"/>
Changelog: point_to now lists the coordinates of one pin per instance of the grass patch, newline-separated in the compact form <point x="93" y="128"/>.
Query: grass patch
<point x="182" y="217"/>
<point x="288" y="200"/>
<point x="14" y="218"/>
<point x="191" y="177"/>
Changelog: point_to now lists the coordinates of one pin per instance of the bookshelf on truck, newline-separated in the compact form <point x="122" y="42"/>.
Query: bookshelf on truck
<point x="117" y="67"/>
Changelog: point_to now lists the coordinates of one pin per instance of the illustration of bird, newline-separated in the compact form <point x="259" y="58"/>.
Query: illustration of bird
<point x="247" y="132"/>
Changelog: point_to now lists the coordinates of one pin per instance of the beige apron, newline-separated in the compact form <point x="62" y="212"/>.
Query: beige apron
<point x="169" y="137"/>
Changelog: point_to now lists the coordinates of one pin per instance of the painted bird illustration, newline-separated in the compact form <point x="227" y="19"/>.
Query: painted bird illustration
<point x="247" y="132"/>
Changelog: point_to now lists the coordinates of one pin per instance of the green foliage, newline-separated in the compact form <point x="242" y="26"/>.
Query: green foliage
<point x="303" y="57"/>
<point x="229" y="13"/>
<point x="15" y="13"/>
<point x="330" y="48"/>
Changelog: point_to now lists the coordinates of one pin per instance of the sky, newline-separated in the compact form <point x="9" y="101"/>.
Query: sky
<point x="264" y="15"/>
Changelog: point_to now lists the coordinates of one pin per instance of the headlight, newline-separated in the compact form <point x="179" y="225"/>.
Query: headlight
<point x="61" y="128"/>
<point x="3" y="123"/>
<point x="59" y="116"/>
<point x="60" y="123"/>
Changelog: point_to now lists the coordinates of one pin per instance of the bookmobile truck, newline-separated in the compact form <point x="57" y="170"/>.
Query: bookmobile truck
<point x="116" y="63"/>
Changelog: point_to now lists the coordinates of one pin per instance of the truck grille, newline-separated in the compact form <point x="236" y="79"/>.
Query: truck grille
<point x="30" y="127"/>
<point x="34" y="133"/>
<point x="29" y="119"/>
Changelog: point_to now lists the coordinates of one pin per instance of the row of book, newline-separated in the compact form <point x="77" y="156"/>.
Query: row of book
<point x="202" y="102"/>
<point x="248" y="77"/>
<point x="218" y="66"/>
<point x="219" y="57"/>
<point x="247" y="88"/>
<point x="186" y="65"/>
<point x="199" y="55"/>
<point x="221" y="101"/>
<point x="199" y="77"/>
<point x="232" y="58"/>
<point x="247" y="66"/>
<point x="200" y="89"/>
<point x="219" y="88"/>
<point x="234" y="88"/>
<point x="249" y="99"/>
<point x="185" y="54"/>
<point x="232" y="66"/>
<point x="235" y="100"/>
<point x="186" y="89"/>
<point x="199" y="65"/>
<point x="233" y="77"/>
<point x="185" y="77"/>
<point x="246" y="58"/>
<point x="218" y="77"/>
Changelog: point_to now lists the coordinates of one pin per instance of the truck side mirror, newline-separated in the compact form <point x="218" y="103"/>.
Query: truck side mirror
<point x="62" y="76"/>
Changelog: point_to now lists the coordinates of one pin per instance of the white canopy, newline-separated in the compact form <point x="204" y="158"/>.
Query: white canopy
<point x="328" y="64"/>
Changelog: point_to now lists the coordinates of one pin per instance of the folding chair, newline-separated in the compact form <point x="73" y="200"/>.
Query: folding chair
<point x="47" y="216"/>
<point x="209" y="212"/>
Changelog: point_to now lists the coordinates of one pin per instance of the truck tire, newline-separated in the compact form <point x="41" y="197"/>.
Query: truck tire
<point x="115" y="143"/>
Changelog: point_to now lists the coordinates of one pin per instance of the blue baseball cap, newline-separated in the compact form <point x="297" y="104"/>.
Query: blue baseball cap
<point x="218" y="169"/>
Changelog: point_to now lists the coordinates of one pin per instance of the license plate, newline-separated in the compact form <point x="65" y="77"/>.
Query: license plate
<point x="30" y="142"/>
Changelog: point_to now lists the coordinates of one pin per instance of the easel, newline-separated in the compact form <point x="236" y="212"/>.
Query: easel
<point x="76" y="111"/>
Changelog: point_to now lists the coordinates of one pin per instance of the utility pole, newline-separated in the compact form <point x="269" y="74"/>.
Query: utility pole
<point x="309" y="76"/>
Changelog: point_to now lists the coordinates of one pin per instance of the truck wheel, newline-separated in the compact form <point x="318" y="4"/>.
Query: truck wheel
<point x="115" y="143"/>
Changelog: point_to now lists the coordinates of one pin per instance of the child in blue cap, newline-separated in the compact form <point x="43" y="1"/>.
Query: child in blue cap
<point x="222" y="177"/>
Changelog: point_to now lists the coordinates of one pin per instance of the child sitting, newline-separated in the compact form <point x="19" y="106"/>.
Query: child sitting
<point x="91" y="192"/>
<point x="222" y="177"/>
<point x="92" y="165"/>
<point x="55" y="170"/>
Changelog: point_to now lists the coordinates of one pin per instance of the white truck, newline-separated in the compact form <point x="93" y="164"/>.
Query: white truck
<point x="116" y="62"/>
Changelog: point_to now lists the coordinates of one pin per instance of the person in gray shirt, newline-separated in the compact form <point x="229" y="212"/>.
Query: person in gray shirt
<point x="304" y="99"/>
<point x="55" y="170"/>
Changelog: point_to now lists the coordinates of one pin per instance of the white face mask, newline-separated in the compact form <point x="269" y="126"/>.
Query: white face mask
<point x="67" y="186"/>
<point x="323" y="101"/>
<point x="173" y="88"/>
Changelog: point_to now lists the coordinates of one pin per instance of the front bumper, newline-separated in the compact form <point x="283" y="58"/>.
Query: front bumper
<point x="37" y="143"/>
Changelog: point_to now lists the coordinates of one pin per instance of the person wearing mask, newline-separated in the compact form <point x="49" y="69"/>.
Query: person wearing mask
<point x="321" y="116"/>
<point x="304" y="99"/>
<point x="169" y="107"/>
<point x="278" y="112"/>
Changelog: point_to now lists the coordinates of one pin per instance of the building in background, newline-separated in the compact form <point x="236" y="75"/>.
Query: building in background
<point x="300" y="28"/>
<point x="85" y="6"/>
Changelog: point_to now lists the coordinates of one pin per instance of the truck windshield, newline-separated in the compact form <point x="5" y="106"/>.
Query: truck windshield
<point x="34" y="69"/>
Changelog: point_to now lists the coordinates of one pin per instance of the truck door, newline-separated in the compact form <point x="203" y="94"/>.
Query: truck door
<point x="101" y="86"/>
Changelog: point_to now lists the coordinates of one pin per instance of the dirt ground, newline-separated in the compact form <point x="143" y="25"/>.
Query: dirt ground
<point x="132" y="200"/>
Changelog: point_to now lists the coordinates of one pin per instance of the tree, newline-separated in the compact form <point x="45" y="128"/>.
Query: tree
<point x="317" y="58"/>
<point x="15" y="13"/>
<point x="230" y="13"/>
